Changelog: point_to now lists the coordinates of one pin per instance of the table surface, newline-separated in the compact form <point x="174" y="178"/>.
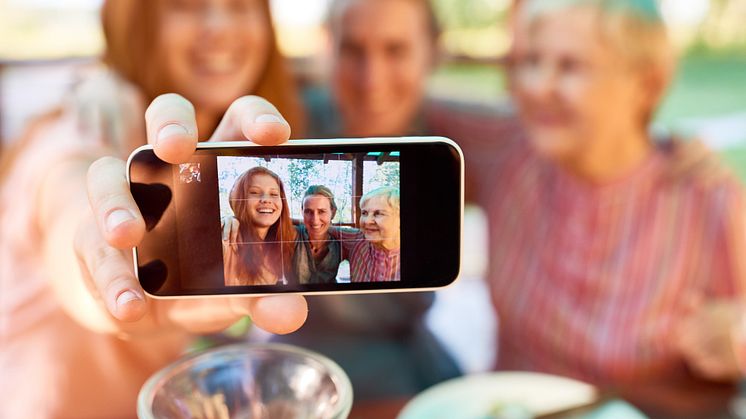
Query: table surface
<point x="686" y="399"/>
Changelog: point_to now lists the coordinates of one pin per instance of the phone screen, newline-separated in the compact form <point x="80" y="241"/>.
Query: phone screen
<point x="307" y="220"/>
<point x="241" y="220"/>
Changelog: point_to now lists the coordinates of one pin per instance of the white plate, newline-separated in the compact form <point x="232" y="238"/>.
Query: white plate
<point x="475" y="396"/>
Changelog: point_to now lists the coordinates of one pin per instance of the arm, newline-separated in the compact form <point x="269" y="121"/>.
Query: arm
<point x="94" y="279"/>
<point x="712" y="337"/>
<point x="348" y="237"/>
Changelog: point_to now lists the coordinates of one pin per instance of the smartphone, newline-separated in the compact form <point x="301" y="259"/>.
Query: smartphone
<point x="307" y="216"/>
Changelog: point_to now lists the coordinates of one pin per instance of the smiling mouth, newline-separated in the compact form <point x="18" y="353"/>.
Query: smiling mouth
<point x="265" y="211"/>
<point x="216" y="63"/>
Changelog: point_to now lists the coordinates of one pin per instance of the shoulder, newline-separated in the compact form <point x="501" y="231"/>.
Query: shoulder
<point x="690" y="163"/>
<point x="487" y="134"/>
<point x="692" y="169"/>
<point x="465" y="121"/>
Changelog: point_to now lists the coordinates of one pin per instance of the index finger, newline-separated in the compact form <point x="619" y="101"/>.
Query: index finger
<point x="252" y="118"/>
<point x="171" y="127"/>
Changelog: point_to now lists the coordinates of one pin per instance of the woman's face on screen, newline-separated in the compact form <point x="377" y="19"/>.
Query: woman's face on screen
<point x="214" y="51"/>
<point x="379" y="222"/>
<point x="317" y="215"/>
<point x="264" y="200"/>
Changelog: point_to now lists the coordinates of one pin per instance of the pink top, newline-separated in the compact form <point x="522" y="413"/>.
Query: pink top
<point x="589" y="281"/>
<point x="368" y="263"/>
<point x="51" y="366"/>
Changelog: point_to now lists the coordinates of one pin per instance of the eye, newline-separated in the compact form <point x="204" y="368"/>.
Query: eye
<point x="570" y="65"/>
<point x="186" y="5"/>
<point x="396" y="50"/>
<point x="242" y="6"/>
<point x="350" y="49"/>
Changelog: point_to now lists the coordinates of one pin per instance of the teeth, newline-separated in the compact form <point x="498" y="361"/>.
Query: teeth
<point x="266" y="211"/>
<point x="217" y="62"/>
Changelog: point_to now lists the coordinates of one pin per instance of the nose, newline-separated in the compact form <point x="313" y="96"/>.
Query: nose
<point x="542" y="82"/>
<point x="366" y="220"/>
<point x="372" y="73"/>
<point x="216" y="20"/>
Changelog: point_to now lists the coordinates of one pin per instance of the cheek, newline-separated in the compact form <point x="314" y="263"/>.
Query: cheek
<point x="408" y="87"/>
<point x="391" y="223"/>
<point x="174" y="41"/>
<point x="254" y="35"/>
<point x="343" y="82"/>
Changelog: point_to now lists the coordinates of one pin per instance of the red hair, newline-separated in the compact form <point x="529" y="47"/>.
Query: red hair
<point x="130" y="28"/>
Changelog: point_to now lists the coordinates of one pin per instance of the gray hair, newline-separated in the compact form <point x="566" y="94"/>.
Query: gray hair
<point x="389" y="192"/>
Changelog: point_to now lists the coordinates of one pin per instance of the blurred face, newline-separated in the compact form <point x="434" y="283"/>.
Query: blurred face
<point x="383" y="55"/>
<point x="213" y="50"/>
<point x="575" y="92"/>
<point x="317" y="215"/>
<point x="265" y="202"/>
<point x="379" y="222"/>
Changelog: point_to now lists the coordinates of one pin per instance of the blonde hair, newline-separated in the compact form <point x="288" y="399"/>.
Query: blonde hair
<point x="634" y="28"/>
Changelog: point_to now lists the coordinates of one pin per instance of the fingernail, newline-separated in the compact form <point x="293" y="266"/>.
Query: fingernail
<point x="116" y="218"/>
<point x="269" y="118"/>
<point x="170" y="130"/>
<point x="126" y="297"/>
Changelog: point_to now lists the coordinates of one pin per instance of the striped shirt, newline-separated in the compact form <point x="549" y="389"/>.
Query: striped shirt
<point x="590" y="282"/>
<point x="368" y="262"/>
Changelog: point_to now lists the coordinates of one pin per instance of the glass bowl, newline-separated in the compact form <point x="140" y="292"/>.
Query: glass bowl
<point x="248" y="381"/>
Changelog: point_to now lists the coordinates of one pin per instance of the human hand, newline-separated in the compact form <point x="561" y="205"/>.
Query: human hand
<point x="104" y="240"/>
<point x="707" y="338"/>
<point x="230" y="225"/>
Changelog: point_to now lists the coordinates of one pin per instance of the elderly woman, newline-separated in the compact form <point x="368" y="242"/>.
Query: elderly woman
<point x="373" y="251"/>
<point x="605" y="264"/>
<point x="317" y="254"/>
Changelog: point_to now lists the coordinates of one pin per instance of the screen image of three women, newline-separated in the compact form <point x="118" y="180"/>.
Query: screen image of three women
<point x="266" y="246"/>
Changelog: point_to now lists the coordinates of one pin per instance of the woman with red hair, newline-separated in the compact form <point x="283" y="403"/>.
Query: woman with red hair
<point x="265" y="240"/>
<point x="73" y="317"/>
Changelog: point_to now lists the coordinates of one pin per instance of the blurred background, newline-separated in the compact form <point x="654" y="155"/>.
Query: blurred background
<point x="44" y="44"/>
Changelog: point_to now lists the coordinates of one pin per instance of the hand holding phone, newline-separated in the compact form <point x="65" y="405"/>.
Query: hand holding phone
<point x="103" y="242"/>
<point x="308" y="216"/>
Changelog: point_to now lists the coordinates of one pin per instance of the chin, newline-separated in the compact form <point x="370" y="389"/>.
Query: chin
<point x="551" y="145"/>
<point x="215" y="97"/>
